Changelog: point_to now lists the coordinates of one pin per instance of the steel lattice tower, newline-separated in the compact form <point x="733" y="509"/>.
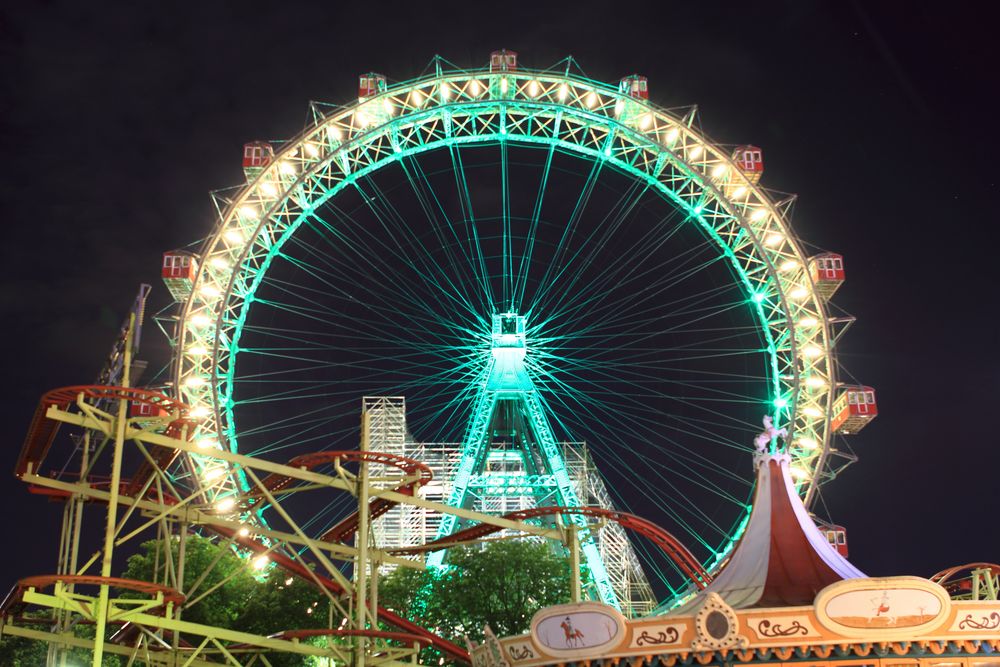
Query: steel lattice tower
<point x="509" y="460"/>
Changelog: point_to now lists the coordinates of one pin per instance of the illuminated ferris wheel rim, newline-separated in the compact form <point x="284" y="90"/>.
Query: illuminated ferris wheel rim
<point x="590" y="119"/>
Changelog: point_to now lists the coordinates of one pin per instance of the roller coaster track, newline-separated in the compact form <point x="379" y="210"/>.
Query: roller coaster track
<point x="670" y="545"/>
<point x="379" y="506"/>
<point x="960" y="580"/>
<point x="42" y="433"/>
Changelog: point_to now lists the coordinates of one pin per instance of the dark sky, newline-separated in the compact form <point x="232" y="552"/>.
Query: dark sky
<point x="118" y="120"/>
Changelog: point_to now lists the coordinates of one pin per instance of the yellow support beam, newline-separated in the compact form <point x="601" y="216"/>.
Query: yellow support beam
<point x="196" y="516"/>
<point x="326" y="481"/>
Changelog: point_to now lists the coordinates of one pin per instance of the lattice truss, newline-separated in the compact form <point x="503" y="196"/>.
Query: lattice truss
<point x="504" y="487"/>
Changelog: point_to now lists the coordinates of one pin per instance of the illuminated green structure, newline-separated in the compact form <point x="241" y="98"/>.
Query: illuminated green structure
<point x="463" y="201"/>
<point x="509" y="415"/>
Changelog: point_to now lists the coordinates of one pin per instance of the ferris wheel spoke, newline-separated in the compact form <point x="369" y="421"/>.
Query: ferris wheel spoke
<point x="380" y="313"/>
<point x="594" y="361"/>
<point x="301" y="423"/>
<point x="330" y="280"/>
<point x="680" y="514"/>
<point x="654" y="481"/>
<point x="407" y="248"/>
<point x="594" y="338"/>
<point x="610" y="411"/>
<point x="613" y="404"/>
<point x="451" y="243"/>
<point x="469" y="220"/>
<point x="524" y="267"/>
<point x="376" y="338"/>
<point x="507" y="248"/>
<point x="578" y="263"/>
<point x="327" y="514"/>
<point x="650" y="288"/>
<point x="673" y="503"/>
<point x="646" y="389"/>
<point x="286" y="376"/>
<point x="418" y="374"/>
<point x="649" y="364"/>
<point x="644" y="246"/>
<point x="575" y="390"/>
<point x="380" y="256"/>
<point x="601" y="307"/>
<point x="546" y="283"/>
<point x="652" y="358"/>
<point x="390" y="218"/>
<point x="382" y="267"/>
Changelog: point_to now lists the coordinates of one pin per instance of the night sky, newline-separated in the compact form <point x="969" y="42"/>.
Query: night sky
<point x="115" y="123"/>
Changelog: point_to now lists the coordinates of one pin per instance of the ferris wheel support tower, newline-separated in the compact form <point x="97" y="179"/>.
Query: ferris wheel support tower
<point x="507" y="397"/>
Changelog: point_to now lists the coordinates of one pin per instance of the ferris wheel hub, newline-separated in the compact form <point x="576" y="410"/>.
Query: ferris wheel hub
<point x="508" y="347"/>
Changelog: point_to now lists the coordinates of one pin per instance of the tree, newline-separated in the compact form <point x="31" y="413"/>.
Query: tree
<point x="247" y="601"/>
<point x="222" y="607"/>
<point x="243" y="599"/>
<point x="23" y="652"/>
<point x="501" y="585"/>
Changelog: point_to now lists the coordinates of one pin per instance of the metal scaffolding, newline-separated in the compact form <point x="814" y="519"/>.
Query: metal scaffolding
<point x="503" y="487"/>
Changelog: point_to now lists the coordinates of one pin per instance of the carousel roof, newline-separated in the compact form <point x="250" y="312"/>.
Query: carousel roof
<point x="782" y="559"/>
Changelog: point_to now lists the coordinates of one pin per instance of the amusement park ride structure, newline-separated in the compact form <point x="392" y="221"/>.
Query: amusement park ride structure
<point x="151" y="624"/>
<point x="172" y="463"/>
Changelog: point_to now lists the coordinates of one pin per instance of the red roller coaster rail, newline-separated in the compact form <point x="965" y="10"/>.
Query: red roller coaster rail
<point x="379" y="506"/>
<point x="42" y="430"/>
<point x="669" y="544"/>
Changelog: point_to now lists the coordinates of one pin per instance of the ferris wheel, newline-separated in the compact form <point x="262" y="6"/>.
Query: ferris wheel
<point x="664" y="303"/>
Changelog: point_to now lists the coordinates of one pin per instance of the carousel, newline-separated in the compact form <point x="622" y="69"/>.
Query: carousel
<point x="786" y="595"/>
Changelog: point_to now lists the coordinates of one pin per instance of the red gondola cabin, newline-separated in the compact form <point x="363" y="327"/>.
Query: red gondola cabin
<point x="503" y="61"/>
<point x="634" y="85"/>
<point x="370" y="85"/>
<point x="853" y="409"/>
<point x="750" y="161"/>
<point x="179" y="271"/>
<point x="835" y="535"/>
<point x="256" y="156"/>
<point x="141" y="409"/>
<point x="827" y="272"/>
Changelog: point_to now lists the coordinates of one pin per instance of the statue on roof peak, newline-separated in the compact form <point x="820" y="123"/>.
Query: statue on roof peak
<point x="762" y="441"/>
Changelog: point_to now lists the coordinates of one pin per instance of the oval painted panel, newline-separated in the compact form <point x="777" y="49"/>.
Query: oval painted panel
<point x="886" y="608"/>
<point x="578" y="630"/>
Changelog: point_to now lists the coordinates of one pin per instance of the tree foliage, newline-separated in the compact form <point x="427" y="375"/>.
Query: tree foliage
<point x="225" y="605"/>
<point x="247" y="600"/>
<point x="501" y="585"/>
<point x="243" y="599"/>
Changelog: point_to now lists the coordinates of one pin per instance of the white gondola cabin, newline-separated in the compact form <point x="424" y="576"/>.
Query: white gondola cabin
<point x="635" y="86"/>
<point x="370" y="85"/>
<point x="853" y="409"/>
<point x="503" y="61"/>
<point x="750" y="161"/>
<point x="256" y="156"/>
<point x="178" y="273"/>
<point x="827" y="272"/>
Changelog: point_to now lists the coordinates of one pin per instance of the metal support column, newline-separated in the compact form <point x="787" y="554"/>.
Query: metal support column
<point x="112" y="517"/>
